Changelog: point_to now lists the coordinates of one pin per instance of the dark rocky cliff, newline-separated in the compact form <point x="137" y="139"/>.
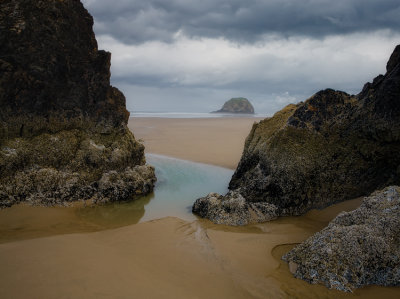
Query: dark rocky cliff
<point x="330" y="148"/>
<point x="53" y="75"/>
<point x="63" y="128"/>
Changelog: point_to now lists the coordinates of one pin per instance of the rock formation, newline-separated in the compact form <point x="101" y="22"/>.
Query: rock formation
<point x="330" y="148"/>
<point x="357" y="248"/>
<point x="237" y="105"/>
<point x="63" y="128"/>
<point x="233" y="209"/>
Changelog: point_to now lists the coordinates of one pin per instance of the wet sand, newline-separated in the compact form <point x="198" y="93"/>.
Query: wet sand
<point x="167" y="258"/>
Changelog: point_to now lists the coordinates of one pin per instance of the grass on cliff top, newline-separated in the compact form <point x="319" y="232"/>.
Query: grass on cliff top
<point x="269" y="126"/>
<point x="237" y="100"/>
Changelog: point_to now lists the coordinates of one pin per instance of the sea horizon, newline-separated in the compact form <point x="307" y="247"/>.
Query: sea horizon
<point x="174" y="114"/>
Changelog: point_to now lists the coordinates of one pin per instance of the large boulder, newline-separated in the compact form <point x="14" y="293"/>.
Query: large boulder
<point x="63" y="127"/>
<point x="330" y="148"/>
<point x="356" y="249"/>
<point x="233" y="209"/>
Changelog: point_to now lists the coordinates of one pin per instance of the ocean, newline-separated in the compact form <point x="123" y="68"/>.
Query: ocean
<point x="192" y="114"/>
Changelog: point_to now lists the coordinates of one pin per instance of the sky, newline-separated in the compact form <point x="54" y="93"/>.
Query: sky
<point x="193" y="55"/>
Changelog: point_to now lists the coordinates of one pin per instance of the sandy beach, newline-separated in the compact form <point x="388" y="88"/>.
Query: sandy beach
<point x="217" y="141"/>
<point x="169" y="257"/>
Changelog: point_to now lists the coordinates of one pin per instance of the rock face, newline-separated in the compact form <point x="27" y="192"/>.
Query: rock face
<point x="357" y="248"/>
<point x="330" y="148"/>
<point x="63" y="132"/>
<point x="237" y="105"/>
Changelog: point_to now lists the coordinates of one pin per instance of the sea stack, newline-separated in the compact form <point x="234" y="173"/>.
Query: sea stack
<point x="330" y="148"/>
<point x="237" y="105"/>
<point x="63" y="127"/>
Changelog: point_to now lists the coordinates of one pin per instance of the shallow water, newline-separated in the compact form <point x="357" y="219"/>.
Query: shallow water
<point x="179" y="183"/>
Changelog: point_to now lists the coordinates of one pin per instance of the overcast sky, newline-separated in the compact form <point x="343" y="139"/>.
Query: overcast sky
<point x="193" y="55"/>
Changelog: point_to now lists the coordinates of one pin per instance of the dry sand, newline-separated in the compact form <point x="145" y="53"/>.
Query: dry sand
<point x="166" y="258"/>
<point x="217" y="141"/>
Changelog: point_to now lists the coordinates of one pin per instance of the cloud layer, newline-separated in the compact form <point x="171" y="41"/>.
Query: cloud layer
<point x="193" y="55"/>
<point x="137" y="21"/>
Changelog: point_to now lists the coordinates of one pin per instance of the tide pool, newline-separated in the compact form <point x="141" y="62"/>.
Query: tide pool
<point x="179" y="184"/>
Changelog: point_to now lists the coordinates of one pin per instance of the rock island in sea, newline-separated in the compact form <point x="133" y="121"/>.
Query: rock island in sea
<point x="237" y="105"/>
<point x="63" y="127"/>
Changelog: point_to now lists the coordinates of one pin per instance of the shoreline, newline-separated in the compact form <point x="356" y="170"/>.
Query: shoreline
<point x="184" y="160"/>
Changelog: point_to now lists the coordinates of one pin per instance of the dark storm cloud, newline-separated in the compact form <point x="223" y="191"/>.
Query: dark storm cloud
<point x="137" y="21"/>
<point x="191" y="55"/>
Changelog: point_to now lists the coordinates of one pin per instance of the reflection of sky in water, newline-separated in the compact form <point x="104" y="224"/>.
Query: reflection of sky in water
<point x="179" y="184"/>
